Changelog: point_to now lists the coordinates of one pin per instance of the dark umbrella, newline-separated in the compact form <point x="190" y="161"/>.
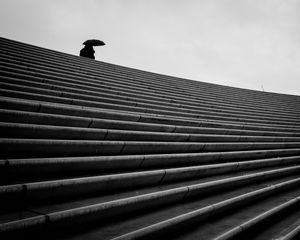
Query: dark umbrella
<point x="94" y="42"/>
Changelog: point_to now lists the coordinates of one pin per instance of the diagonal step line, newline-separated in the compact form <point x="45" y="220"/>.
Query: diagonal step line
<point x="244" y="126"/>
<point x="204" y="213"/>
<point x="150" y="200"/>
<point x="136" y="179"/>
<point x="246" y="226"/>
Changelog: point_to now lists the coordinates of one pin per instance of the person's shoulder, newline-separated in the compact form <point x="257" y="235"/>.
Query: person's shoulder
<point x="82" y="51"/>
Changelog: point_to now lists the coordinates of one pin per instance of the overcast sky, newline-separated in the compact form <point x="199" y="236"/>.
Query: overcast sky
<point x="252" y="44"/>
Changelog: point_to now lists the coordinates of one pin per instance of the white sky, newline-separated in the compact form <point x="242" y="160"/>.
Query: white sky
<point x="241" y="43"/>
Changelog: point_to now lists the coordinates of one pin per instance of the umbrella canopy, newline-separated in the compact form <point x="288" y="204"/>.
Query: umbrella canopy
<point x="94" y="42"/>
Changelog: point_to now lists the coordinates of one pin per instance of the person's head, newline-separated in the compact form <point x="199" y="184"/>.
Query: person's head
<point x="88" y="46"/>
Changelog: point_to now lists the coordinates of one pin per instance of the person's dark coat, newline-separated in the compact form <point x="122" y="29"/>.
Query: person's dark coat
<point x="87" y="52"/>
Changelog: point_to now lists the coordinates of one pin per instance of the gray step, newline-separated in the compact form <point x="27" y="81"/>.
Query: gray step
<point x="10" y="148"/>
<point x="102" y="93"/>
<point x="11" y="212"/>
<point x="34" y="131"/>
<point x="12" y="90"/>
<point x="59" y="188"/>
<point x="105" y="84"/>
<point x="72" y="110"/>
<point x="109" y="85"/>
<point x="93" y="62"/>
<point x="105" y="107"/>
<point x="200" y="215"/>
<point x="277" y="104"/>
<point x="24" y="117"/>
<point x="15" y="168"/>
<point x="291" y="233"/>
<point x="249" y="225"/>
<point x="105" y="210"/>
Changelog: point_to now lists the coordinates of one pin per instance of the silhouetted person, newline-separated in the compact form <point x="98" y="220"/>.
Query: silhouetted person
<point x="88" y="52"/>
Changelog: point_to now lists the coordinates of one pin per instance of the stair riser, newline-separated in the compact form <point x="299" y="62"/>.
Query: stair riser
<point x="31" y="131"/>
<point x="104" y="211"/>
<point x="18" y="168"/>
<point x="64" y="120"/>
<point x="59" y="97"/>
<point x="71" y="110"/>
<point x="92" y="63"/>
<point x="250" y="225"/>
<point x="161" y="229"/>
<point x="15" y="148"/>
<point x="111" y="183"/>
<point x="102" y="93"/>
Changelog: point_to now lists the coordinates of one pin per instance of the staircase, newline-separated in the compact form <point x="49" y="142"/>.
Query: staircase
<point x="92" y="150"/>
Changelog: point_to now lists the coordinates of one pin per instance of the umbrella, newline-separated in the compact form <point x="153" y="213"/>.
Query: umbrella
<point x="94" y="42"/>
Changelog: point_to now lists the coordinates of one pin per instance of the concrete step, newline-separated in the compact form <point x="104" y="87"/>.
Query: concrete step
<point x="63" y="97"/>
<point x="269" y="217"/>
<point x="250" y="225"/>
<point x="93" y="63"/>
<point x="50" y="97"/>
<point x="21" y="85"/>
<point x="162" y="229"/>
<point x="13" y="170"/>
<point x="17" y="148"/>
<point x="276" y="105"/>
<point x="34" y="131"/>
<point x="87" y="99"/>
<point x="290" y="232"/>
<point x="63" y="109"/>
<point x="15" y="81"/>
<point x="103" y="211"/>
<point x="15" y="116"/>
<point x="108" y="85"/>
<point x="59" y="188"/>
<point x="57" y="204"/>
